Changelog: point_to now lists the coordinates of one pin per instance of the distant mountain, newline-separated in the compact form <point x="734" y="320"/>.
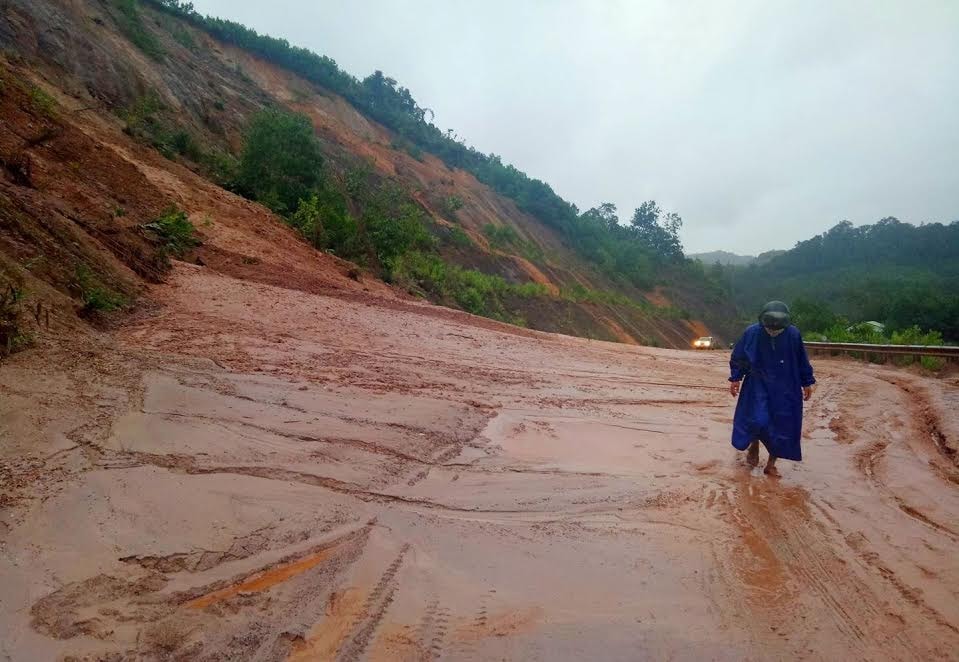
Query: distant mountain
<point x="732" y="259"/>
<point x="724" y="257"/>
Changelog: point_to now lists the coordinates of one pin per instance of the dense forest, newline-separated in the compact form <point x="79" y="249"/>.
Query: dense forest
<point x="891" y="272"/>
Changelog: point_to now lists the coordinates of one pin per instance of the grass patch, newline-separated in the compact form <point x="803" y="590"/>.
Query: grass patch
<point x="147" y="121"/>
<point x="131" y="24"/>
<point x="41" y="101"/>
<point x="865" y="333"/>
<point x="468" y="289"/>
<point x="96" y="297"/>
<point x="403" y="145"/>
<point x="459" y="238"/>
<point x="180" y="34"/>
<point x="176" y="233"/>
<point x="933" y="363"/>
<point x="451" y="205"/>
<point x="143" y="110"/>
<point x="579" y="294"/>
<point x="144" y="121"/>
<point x="12" y="337"/>
<point x="914" y="336"/>
<point x="505" y="238"/>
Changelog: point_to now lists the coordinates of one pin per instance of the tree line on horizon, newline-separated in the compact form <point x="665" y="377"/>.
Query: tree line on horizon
<point x="901" y="275"/>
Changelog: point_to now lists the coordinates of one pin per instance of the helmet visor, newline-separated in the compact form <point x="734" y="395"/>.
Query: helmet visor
<point x="774" y="319"/>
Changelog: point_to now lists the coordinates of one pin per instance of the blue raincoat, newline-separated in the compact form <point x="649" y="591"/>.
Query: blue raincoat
<point x="771" y="400"/>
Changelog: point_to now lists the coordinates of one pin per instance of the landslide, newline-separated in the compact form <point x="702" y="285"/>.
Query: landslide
<point x="115" y="112"/>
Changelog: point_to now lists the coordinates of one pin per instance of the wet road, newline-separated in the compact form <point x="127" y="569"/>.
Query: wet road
<point x="255" y="473"/>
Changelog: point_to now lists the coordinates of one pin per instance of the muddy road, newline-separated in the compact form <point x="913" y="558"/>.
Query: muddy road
<point x="249" y="472"/>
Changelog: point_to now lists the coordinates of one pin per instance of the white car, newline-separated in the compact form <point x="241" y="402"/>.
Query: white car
<point x="706" y="342"/>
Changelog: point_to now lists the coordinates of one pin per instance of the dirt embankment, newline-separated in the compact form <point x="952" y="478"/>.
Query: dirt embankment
<point x="77" y="52"/>
<point x="76" y="194"/>
<point x="253" y="472"/>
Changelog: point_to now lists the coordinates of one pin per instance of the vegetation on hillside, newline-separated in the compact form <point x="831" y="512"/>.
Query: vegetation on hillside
<point x="174" y="232"/>
<point x="281" y="162"/>
<point x="150" y="121"/>
<point x="374" y="222"/>
<point x="866" y="333"/>
<point x="901" y="275"/>
<point x="471" y="290"/>
<point x="96" y="297"/>
<point x="12" y="334"/>
<point x="131" y="24"/>
<point x="642" y="253"/>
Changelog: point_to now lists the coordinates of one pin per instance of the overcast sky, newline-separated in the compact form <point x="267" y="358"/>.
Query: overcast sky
<point x="761" y="122"/>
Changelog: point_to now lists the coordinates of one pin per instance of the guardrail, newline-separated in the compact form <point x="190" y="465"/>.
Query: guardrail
<point x="944" y="351"/>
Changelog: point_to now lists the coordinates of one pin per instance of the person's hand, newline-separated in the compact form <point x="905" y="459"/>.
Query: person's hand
<point x="807" y="391"/>
<point x="734" y="388"/>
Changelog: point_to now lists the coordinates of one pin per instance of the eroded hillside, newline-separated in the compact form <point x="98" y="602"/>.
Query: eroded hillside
<point x="108" y="125"/>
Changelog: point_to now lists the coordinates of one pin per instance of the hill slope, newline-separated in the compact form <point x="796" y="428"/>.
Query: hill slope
<point x="92" y="72"/>
<point x="891" y="271"/>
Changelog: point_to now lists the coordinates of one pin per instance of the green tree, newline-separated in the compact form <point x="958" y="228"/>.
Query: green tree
<point x="657" y="230"/>
<point x="394" y="232"/>
<point x="281" y="160"/>
<point x="891" y="272"/>
<point x="603" y="216"/>
<point x="812" y="316"/>
<point x="308" y="220"/>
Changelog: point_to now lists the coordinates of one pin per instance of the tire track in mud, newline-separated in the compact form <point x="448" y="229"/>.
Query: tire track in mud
<point x="440" y="459"/>
<point x="573" y="403"/>
<point x="469" y="633"/>
<point x="433" y="630"/>
<point x="274" y="573"/>
<point x="869" y="457"/>
<point x="98" y="605"/>
<point x="799" y="556"/>
<point x="422" y="466"/>
<point x="187" y="464"/>
<point x="348" y="442"/>
<point x="373" y="612"/>
<point x="925" y="412"/>
<point x="919" y="516"/>
<point x="909" y="594"/>
<point x="821" y="411"/>
<point x="198" y="560"/>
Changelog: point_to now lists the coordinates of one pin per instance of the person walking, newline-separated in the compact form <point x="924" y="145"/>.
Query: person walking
<point x="770" y="373"/>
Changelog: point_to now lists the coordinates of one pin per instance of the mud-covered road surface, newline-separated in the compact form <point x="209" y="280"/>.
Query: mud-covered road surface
<point x="245" y="472"/>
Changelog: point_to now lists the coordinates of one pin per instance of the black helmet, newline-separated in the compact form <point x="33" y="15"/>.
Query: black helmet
<point x="774" y="315"/>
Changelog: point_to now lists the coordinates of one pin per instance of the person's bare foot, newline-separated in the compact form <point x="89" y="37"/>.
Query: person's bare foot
<point x="752" y="454"/>
<point x="771" y="469"/>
